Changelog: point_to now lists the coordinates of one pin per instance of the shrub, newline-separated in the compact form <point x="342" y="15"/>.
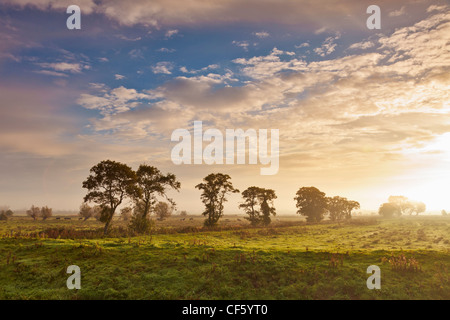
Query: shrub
<point x="125" y="213"/>
<point x="163" y="210"/>
<point x="403" y="264"/>
<point x="140" y="224"/>
<point x="46" y="212"/>
<point x="183" y="213"/>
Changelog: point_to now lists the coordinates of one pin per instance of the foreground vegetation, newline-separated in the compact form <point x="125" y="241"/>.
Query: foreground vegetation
<point x="182" y="260"/>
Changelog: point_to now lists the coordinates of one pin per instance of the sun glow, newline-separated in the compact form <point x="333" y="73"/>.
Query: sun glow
<point x="431" y="183"/>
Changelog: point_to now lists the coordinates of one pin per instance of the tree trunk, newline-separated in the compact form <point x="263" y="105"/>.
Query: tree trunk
<point x="105" y="231"/>
<point x="108" y="222"/>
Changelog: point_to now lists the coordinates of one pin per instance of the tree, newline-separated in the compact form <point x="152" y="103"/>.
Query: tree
<point x="214" y="190"/>
<point x="407" y="206"/>
<point x="250" y="204"/>
<point x="86" y="211"/>
<point x="6" y="214"/>
<point x="341" y="208"/>
<point x="163" y="210"/>
<point x="183" y="213"/>
<point x="126" y="213"/>
<point x="153" y="183"/>
<point x="335" y="206"/>
<point x="419" y="207"/>
<point x="402" y="203"/>
<point x="258" y="205"/>
<point x="389" y="210"/>
<point x="266" y="197"/>
<point x="140" y="224"/>
<point x="108" y="185"/>
<point x="312" y="203"/>
<point x="97" y="212"/>
<point x="34" y="212"/>
<point x="46" y="212"/>
<point x="349" y="206"/>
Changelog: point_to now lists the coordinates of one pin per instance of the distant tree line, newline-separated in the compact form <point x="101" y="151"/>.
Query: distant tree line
<point x="111" y="183"/>
<point x="400" y="205"/>
<point x="314" y="205"/>
<point x="36" y="212"/>
<point x="6" y="213"/>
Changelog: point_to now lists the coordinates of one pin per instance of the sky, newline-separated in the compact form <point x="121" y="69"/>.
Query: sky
<point x="361" y="113"/>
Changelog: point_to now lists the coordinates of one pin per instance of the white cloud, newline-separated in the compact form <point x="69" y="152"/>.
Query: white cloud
<point x="436" y="8"/>
<point x="210" y="67"/>
<point x="328" y="46"/>
<point x="362" y="45"/>
<point x="121" y="36"/>
<point x="64" y="67"/>
<point x="171" y="33"/>
<point x="136" y="54"/>
<point x="320" y="30"/>
<point x="398" y="12"/>
<point x="51" y="73"/>
<point x="113" y="101"/>
<point x="302" y="45"/>
<point x="119" y="77"/>
<point x="277" y="52"/>
<point x="261" y="34"/>
<point x="242" y="44"/>
<point x="166" y="50"/>
<point x="163" y="67"/>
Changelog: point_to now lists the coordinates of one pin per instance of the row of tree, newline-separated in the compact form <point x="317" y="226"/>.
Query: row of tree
<point x="314" y="205"/>
<point x="5" y="214"/>
<point x="258" y="202"/>
<point x="111" y="183"/>
<point x="161" y="210"/>
<point x="400" y="205"/>
<point x="36" y="212"/>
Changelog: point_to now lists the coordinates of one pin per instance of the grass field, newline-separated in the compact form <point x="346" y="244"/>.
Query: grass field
<point x="288" y="260"/>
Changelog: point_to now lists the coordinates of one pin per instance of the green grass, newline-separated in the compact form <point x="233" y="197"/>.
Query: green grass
<point x="286" y="261"/>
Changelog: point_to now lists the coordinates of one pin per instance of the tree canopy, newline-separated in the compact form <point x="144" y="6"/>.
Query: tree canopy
<point x="341" y="208"/>
<point x="214" y="188"/>
<point x="311" y="203"/>
<point x="109" y="183"/>
<point x="400" y="205"/>
<point x="258" y="205"/>
<point x="153" y="183"/>
<point x="34" y="212"/>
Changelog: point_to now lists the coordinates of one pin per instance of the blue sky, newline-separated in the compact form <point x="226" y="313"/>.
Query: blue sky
<point x="362" y="113"/>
